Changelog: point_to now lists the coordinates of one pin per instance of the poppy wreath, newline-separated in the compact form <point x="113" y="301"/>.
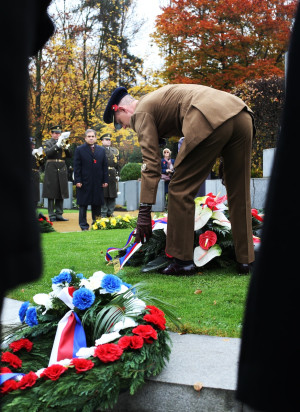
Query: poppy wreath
<point x="213" y="242"/>
<point x="79" y="346"/>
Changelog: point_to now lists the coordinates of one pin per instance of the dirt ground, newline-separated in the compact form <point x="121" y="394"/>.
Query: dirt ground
<point x="73" y="226"/>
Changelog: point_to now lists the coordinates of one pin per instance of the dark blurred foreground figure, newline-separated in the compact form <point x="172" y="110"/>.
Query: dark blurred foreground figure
<point x="268" y="378"/>
<point x="25" y="28"/>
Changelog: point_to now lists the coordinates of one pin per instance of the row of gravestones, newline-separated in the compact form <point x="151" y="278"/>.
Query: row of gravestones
<point x="129" y="192"/>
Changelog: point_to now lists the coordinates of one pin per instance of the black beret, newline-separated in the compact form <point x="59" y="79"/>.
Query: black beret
<point x="115" y="98"/>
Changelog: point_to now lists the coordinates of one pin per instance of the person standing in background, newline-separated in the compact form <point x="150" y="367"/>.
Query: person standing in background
<point x="90" y="177"/>
<point x="167" y="168"/>
<point x="55" y="187"/>
<point x="111" y="191"/>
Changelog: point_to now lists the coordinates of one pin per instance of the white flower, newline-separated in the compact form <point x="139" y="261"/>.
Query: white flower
<point x="94" y="282"/>
<point x="64" y="362"/>
<point x="138" y="306"/>
<point x="107" y="337"/>
<point x="125" y="323"/>
<point x="86" y="352"/>
<point x="57" y="287"/>
<point x="43" y="299"/>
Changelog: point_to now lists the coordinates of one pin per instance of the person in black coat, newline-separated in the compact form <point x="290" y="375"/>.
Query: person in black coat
<point x="268" y="376"/>
<point x="25" y="28"/>
<point x="90" y="177"/>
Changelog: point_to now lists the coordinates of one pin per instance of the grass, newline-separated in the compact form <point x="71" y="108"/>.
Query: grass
<point x="216" y="309"/>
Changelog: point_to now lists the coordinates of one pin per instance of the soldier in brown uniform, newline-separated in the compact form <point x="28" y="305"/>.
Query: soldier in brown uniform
<point x="55" y="187"/>
<point x="214" y="124"/>
<point x="111" y="191"/>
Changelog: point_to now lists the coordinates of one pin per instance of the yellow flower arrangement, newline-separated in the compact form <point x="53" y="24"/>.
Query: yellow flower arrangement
<point x="118" y="222"/>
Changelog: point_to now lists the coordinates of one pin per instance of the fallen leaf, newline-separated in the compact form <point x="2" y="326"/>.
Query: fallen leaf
<point x="198" y="291"/>
<point x="198" y="386"/>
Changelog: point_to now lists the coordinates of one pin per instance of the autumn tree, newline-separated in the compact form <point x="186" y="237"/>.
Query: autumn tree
<point x="266" y="98"/>
<point x="72" y="78"/>
<point x="222" y="43"/>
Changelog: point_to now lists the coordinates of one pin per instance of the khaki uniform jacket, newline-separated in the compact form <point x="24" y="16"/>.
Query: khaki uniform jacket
<point x="188" y="110"/>
<point x="55" y="184"/>
<point x="112" y="155"/>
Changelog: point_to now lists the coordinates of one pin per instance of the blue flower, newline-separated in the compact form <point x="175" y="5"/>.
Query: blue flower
<point x="22" y="311"/>
<point x="111" y="283"/>
<point x="31" y="317"/>
<point x="62" y="277"/>
<point x="80" y="276"/>
<point x="83" y="298"/>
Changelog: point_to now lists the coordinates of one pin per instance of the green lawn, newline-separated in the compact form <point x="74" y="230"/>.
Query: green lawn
<point x="217" y="308"/>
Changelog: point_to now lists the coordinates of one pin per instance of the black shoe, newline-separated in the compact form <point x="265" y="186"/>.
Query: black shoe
<point x="160" y="262"/>
<point x="176" y="269"/>
<point x="61" y="219"/>
<point x="244" y="268"/>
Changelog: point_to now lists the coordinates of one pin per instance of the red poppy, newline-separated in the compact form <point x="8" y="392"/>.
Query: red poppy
<point x="207" y="239"/>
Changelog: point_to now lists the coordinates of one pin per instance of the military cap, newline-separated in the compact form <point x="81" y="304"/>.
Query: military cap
<point x="56" y="129"/>
<point x="112" y="106"/>
<point x="107" y="136"/>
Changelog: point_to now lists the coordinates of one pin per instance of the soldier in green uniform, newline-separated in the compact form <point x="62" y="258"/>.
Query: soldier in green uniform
<point x="110" y="192"/>
<point x="55" y="187"/>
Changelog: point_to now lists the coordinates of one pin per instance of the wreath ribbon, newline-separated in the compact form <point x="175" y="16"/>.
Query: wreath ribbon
<point x="6" y="376"/>
<point x="156" y="224"/>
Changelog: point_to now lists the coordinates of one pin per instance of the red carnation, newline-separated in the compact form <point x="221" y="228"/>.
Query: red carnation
<point x="20" y="344"/>
<point x="154" y="310"/>
<point x="12" y="359"/>
<point x="27" y="380"/>
<point x="53" y="372"/>
<point x="4" y="369"/>
<point x="124" y="342"/>
<point x="109" y="352"/>
<point x="207" y="239"/>
<point x="146" y="332"/>
<point x="157" y="320"/>
<point x="136" y="342"/>
<point x="8" y="386"/>
<point x="133" y="342"/>
<point x="82" y="365"/>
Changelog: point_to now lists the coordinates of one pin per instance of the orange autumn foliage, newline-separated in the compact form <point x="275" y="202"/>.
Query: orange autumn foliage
<point x="223" y="43"/>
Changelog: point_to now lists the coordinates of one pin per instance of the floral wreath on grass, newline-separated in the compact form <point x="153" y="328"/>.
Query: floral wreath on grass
<point x="118" y="222"/>
<point x="98" y="337"/>
<point x="45" y="225"/>
<point x="212" y="237"/>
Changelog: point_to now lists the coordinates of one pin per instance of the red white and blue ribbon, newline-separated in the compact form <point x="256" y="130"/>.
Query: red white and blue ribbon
<point x="69" y="338"/>
<point x="156" y="224"/>
<point x="6" y="376"/>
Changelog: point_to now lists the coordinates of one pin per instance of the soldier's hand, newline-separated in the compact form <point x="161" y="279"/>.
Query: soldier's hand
<point x="144" y="224"/>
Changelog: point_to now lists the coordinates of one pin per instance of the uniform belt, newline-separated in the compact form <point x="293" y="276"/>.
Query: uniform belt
<point x="55" y="160"/>
<point x="35" y="170"/>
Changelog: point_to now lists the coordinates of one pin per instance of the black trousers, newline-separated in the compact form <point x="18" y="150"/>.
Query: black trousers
<point x="96" y="212"/>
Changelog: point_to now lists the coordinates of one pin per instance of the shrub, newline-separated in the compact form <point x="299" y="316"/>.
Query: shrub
<point x="131" y="171"/>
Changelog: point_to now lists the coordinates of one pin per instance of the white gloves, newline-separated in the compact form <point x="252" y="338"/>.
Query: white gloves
<point x="62" y="137"/>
